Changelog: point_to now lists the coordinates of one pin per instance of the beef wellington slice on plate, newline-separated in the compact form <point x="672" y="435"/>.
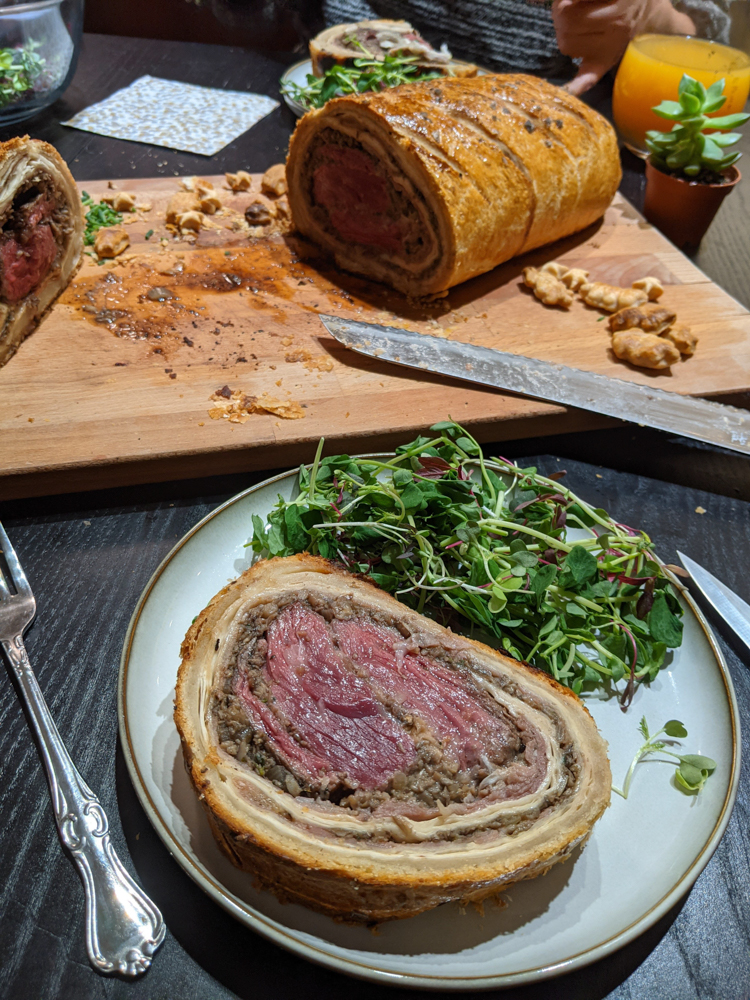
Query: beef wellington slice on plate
<point x="360" y="759"/>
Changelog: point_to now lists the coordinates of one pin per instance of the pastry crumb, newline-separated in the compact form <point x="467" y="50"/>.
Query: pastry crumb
<point x="300" y="354"/>
<point x="273" y="181"/>
<point x="322" y="364"/>
<point x="236" y="406"/>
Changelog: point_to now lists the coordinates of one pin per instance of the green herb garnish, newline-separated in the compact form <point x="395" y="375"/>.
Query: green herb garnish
<point x="454" y="534"/>
<point x="693" y="770"/>
<point x="363" y="75"/>
<point x="20" y="68"/>
<point x="149" y="234"/>
<point x="97" y="217"/>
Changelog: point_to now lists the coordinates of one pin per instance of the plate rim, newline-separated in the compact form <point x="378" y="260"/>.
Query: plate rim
<point x="257" y="922"/>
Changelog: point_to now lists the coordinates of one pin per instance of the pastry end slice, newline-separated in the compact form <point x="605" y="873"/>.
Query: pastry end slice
<point x="41" y="237"/>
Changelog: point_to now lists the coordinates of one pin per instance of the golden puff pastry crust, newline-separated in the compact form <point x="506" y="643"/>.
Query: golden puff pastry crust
<point x="426" y="185"/>
<point x="352" y="796"/>
<point x="41" y="244"/>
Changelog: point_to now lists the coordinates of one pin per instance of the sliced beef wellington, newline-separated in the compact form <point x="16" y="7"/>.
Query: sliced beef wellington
<point x="362" y="760"/>
<point x="41" y="236"/>
<point x="428" y="184"/>
<point x="343" y="43"/>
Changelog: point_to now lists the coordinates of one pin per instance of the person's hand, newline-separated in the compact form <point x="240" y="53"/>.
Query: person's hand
<point x="598" y="31"/>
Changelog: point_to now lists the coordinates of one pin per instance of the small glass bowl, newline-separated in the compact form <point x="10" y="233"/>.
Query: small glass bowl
<point x="39" y="44"/>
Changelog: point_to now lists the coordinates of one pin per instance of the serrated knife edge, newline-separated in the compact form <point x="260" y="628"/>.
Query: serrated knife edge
<point x="700" y="419"/>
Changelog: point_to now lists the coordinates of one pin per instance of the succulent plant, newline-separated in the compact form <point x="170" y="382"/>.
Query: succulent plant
<point x="686" y="148"/>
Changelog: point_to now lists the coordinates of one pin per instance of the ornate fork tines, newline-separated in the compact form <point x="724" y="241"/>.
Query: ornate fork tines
<point x="123" y="927"/>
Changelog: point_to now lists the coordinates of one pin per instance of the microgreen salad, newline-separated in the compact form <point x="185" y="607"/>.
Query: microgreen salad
<point x="363" y="75"/>
<point x="472" y="540"/>
<point x="20" y="70"/>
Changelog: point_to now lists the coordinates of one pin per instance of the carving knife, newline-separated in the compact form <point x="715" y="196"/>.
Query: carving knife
<point x="700" y="419"/>
<point x="731" y="608"/>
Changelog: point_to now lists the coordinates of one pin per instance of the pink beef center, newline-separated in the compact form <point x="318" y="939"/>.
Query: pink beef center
<point x="324" y="718"/>
<point x="356" y="198"/>
<point x="27" y="254"/>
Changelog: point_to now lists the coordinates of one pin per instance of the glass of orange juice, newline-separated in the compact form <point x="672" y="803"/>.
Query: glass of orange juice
<point x="651" y="70"/>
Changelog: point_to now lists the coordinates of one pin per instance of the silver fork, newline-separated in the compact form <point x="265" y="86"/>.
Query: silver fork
<point x="123" y="927"/>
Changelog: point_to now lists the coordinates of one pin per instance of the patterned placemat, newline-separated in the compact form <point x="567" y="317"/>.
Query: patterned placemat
<point x="177" y="115"/>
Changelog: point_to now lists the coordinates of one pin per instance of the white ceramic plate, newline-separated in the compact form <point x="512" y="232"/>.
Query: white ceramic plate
<point x="643" y="855"/>
<point x="298" y="74"/>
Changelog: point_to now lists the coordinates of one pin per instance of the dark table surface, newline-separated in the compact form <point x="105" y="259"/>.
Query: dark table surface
<point x="88" y="557"/>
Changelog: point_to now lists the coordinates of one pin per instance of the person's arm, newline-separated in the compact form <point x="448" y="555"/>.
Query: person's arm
<point x="598" y="31"/>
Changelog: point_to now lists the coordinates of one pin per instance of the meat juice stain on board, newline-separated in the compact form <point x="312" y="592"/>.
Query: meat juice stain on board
<point x="154" y="296"/>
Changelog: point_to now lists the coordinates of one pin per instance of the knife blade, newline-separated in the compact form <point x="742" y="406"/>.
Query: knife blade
<point x="699" y="419"/>
<point x="731" y="608"/>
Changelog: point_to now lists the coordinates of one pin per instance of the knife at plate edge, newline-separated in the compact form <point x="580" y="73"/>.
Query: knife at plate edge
<point x="700" y="419"/>
<point x="731" y="608"/>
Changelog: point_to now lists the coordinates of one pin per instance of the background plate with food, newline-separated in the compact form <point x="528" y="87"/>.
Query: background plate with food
<point x="297" y="80"/>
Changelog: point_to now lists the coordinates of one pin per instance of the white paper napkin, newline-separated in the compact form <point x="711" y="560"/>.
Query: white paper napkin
<point x="177" y="115"/>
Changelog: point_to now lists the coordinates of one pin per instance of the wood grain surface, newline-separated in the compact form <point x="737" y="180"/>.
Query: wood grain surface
<point x="87" y="568"/>
<point x="116" y="384"/>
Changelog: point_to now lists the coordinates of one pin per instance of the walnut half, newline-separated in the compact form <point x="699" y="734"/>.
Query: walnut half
<point x="241" y="181"/>
<point x="259" y="213"/>
<point x="683" y="339"/>
<point x="651" y="286"/>
<point x="649" y="317"/>
<point x="644" y="349"/>
<point x="547" y="288"/>
<point x="190" y="220"/>
<point x="121" y="201"/>
<point x="179" y="204"/>
<point x="610" y="297"/>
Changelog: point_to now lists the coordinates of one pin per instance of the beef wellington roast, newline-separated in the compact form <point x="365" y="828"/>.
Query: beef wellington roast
<point x="425" y="185"/>
<point x="364" y="761"/>
<point x="41" y="237"/>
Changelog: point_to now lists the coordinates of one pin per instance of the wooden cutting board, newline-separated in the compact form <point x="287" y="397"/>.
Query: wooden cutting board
<point x="115" y="385"/>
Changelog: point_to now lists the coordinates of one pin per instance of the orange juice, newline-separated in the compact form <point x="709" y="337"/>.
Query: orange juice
<point x="651" y="70"/>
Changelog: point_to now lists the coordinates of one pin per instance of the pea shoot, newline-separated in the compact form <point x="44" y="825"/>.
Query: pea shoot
<point x="693" y="770"/>
<point x="484" y="545"/>
<point x="365" y="74"/>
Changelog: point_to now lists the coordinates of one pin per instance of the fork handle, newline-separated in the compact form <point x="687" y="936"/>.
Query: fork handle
<point x="123" y="927"/>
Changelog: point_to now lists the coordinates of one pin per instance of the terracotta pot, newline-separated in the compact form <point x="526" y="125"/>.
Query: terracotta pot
<point x="683" y="210"/>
